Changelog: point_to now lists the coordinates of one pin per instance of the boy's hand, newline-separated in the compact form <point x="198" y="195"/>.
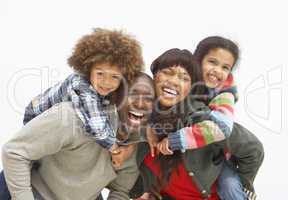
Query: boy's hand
<point x="114" y="149"/>
<point x="124" y="153"/>
<point x="163" y="147"/>
<point x="152" y="139"/>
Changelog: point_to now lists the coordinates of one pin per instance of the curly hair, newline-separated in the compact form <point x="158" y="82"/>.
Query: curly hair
<point x="108" y="46"/>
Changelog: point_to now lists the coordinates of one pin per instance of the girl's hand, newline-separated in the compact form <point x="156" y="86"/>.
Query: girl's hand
<point x="163" y="147"/>
<point x="152" y="139"/>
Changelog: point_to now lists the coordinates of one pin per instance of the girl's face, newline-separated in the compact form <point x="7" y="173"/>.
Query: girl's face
<point x="105" y="78"/>
<point x="172" y="85"/>
<point x="217" y="66"/>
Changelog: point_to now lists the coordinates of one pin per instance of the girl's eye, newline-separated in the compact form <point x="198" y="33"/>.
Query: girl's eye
<point x="226" y="68"/>
<point x="214" y="62"/>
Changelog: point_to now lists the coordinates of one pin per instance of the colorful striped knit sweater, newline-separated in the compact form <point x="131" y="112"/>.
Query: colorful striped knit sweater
<point x="218" y="126"/>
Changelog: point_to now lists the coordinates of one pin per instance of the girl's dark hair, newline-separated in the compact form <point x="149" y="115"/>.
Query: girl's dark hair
<point x="183" y="58"/>
<point x="214" y="42"/>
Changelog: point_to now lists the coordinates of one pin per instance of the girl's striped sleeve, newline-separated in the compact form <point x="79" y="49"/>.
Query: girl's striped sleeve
<point x="217" y="127"/>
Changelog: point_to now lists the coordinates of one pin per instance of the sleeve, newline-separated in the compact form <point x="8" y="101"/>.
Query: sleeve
<point x="126" y="178"/>
<point x="50" y="97"/>
<point x="96" y="119"/>
<point x="217" y="127"/>
<point x="45" y="135"/>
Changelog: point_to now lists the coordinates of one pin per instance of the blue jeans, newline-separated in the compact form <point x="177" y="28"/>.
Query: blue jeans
<point x="229" y="184"/>
<point x="4" y="192"/>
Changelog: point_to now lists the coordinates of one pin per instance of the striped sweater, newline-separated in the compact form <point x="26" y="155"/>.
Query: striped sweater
<point x="217" y="127"/>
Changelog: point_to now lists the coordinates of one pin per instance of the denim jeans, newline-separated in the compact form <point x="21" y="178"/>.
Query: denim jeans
<point x="4" y="192"/>
<point x="229" y="184"/>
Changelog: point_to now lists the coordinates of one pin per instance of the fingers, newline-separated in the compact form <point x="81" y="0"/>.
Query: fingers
<point x="152" y="149"/>
<point x="163" y="147"/>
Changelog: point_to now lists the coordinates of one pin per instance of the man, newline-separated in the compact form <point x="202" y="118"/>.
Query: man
<point x="72" y="165"/>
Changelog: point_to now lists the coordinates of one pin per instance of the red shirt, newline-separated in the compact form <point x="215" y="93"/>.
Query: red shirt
<point x="180" y="185"/>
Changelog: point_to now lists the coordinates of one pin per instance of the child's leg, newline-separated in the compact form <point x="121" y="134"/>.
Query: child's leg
<point x="229" y="185"/>
<point x="4" y="192"/>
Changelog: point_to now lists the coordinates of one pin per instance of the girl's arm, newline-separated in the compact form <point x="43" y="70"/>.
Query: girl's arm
<point x="218" y="126"/>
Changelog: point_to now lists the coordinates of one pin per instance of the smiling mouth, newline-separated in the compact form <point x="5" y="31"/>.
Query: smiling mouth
<point x="135" y="117"/>
<point x="170" y="93"/>
<point x="214" y="79"/>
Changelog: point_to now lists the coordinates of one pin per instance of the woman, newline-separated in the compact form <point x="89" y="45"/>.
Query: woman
<point x="193" y="174"/>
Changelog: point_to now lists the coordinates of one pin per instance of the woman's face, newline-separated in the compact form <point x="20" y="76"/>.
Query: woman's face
<point x="172" y="85"/>
<point x="217" y="66"/>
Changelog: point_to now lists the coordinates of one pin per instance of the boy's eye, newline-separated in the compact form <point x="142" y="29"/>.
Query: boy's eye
<point x="116" y="77"/>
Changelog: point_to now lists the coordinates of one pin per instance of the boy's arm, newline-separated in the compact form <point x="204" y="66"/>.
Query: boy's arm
<point x="96" y="120"/>
<point x="51" y="96"/>
<point x="216" y="128"/>
<point x="45" y="135"/>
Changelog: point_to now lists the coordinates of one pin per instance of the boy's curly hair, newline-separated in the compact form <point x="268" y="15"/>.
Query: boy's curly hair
<point x="108" y="46"/>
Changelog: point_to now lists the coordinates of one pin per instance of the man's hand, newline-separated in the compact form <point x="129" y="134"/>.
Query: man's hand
<point x="163" y="147"/>
<point x="123" y="153"/>
<point x="152" y="139"/>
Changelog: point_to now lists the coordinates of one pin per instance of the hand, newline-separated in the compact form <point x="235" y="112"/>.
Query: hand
<point x="114" y="149"/>
<point x="163" y="147"/>
<point x="152" y="139"/>
<point x="123" y="155"/>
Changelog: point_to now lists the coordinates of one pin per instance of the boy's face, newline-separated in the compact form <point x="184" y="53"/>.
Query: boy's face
<point x="105" y="78"/>
<point x="217" y="66"/>
<point x="172" y="85"/>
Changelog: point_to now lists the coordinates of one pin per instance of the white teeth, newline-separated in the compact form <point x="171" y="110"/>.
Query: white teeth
<point x="213" y="77"/>
<point x="137" y="114"/>
<point x="170" y="91"/>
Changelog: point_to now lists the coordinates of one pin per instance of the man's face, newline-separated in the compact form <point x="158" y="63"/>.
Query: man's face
<point x="138" y="104"/>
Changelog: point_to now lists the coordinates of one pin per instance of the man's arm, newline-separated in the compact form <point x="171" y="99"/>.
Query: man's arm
<point x="45" y="135"/>
<point x="126" y="178"/>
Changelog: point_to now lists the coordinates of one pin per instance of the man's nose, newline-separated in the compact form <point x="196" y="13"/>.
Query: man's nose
<point x="139" y="103"/>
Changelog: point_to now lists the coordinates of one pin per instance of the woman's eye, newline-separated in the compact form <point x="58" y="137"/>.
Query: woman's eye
<point x="166" y="72"/>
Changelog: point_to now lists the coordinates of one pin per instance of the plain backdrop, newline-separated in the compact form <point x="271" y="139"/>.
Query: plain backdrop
<point x="36" y="37"/>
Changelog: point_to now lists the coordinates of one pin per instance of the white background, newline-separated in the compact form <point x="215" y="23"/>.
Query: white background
<point x="36" y="37"/>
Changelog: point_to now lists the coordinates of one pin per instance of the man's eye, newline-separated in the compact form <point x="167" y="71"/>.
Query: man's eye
<point x="149" y="98"/>
<point x="99" y="73"/>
